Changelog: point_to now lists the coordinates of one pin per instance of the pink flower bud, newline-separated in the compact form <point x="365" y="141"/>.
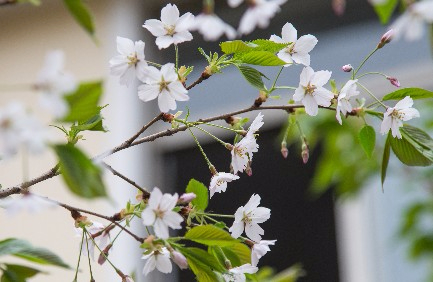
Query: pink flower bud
<point x="386" y="38"/>
<point x="339" y="6"/>
<point x="305" y="153"/>
<point x="248" y="169"/>
<point x="186" y="198"/>
<point x="103" y="256"/>
<point x="347" y="68"/>
<point x="394" y="81"/>
<point x="179" y="259"/>
<point x="284" y="150"/>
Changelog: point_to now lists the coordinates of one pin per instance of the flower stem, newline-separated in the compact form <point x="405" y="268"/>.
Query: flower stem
<point x="217" y="215"/>
<point x="285" y="87"/>
<point x="370" y="73"/>
<point x="276" y="78"/>
<point x="102" y="252"/>
<point x="79" y="257"/>
<point x="363" y="62"/>
<point x="200" y="148"/>
<point x="88" y="258"/>
<point x="372" y="95"/>
<point x="155" y="64"/>
<point x="215" y="125"/>
<point x="177" y="55"/>
<point x="208" y="133"/>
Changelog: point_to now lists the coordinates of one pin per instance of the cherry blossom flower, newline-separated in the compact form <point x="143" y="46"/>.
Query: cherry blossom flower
<point x="54" y="83"/>
<point x="179" y="259"/>
<point x="256" y="124"/>
<point x="411" y="23"/>
<point x="347" y="68"/>
<point x="19" y="128"/>
<point x="298" y="49"/>
<point x="185" y="198"/>
<point x="260" y="249"/>
<point x="163" y="84"/>
<point x="158" y="213"/>
<point x="130" y="63"/>
<point x="88" y="245"/>
<point x="258" y="14"/>
<point x="237" y="274"/>
<point x="310" y="91"/>
<point x="219" y="181"/>
<point x="27" y="202"/>
<point x="171" y="29"/>
<point x="393" y="117"/>
<point x="348" y="91"/>
<point x="247" y="217"/>
<point x="159" y="259"/>
<point x="212" y="27"/>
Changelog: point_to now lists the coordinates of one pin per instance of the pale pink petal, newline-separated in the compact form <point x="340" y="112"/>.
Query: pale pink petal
<point x="306" y="75"/>
<point x="289" y="33"/>
<point x="164" y="41"/>
<point x="125" y="46"/>
<point x="305" y="43"/>
<point x="253" y="231"/>
<point x="299" y="94"/>
<point x="163" y="264"/>
<point x="148" y="216"/>
<point x="301" y="58"/>
<point x="170" y="14"/>
<point x="161" y="229"/>
<point x="182" y="36"/>
<point x="237" y="229"/>
<point x="155" y="27"/>
<point x="185" y="22"/>
<point x="323" y="97"/>
<point x="310" y="105"/>
<point x="166" y="102"/>
<point x="148" y="92"/>
<point x="320" y="78"/>
<point x="150" y="265"/>
<point x="173" y="219"/>
<point x="405" y="103"/>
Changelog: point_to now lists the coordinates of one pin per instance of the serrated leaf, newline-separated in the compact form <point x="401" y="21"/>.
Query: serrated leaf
<point x="241" y="251"/>
<point x="92" y="124"/>
<point x="414" y="93"/>
<point x="235" y="46"/>
<point x="202" y="264"/>
<point x="23" y="249"/>
<point x="385" y="158"/>
<point x="268" y="45"/>
<point x="221" y="254"/>
<point x="260" y="58"/>
<point x="81" y="14"/>
<point x="408" y="152"/>
<point x="253" y="76"/>
<point x="210" y="235"/>
<point x="367" y="138"/>
<point x="81" y="175"/>
<point x="18" y="273"/>
<point x="384" y="10"/>
<point x="83" y="103"/>
<point x="201" y="192"/>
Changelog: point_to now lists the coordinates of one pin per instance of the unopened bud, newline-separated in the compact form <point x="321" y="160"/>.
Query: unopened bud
<point x="179" y="259"/>
<point x="103" y="256"/>
<point x="127" y="279"/>
<point x="347" y="68"/>
<point x="232" y="120"/>
<point x="339" y="6"/>
<point x="386" y="38"/>
<point x="186" y="198"/>
<point x="167" y="117"/>
<point x="263" y="96"/>
<point x="305" y="153"/>
<point x="248" y="169"/>
<point x="394" y="81"/>
<point x="284" y="150"/>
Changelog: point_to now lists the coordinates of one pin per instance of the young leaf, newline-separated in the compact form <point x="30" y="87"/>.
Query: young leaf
<point x="385" y="158"/>
<point x="81" y="14"/>
<point x="201" y="192"/>
<point x="236" y="46"/>
<point x="202" y="264"/>
<point x="92" y="124"/>
<point x="210" y="235"/>
<point x="414" y="93"/>
<point x="81" y="175"/>
<point x="268" y="45"/>
<point x="83" y="103"/>
<point x="367" y="138"/>
<point x="18" y="273"/>
<point x="384" y="10"/>
<point x="253" y="76"/>
<point x="23" y="249"/>
<point x="260" y="58"/>
<point x="221" y="254"/>
<point x="409" y="153"/>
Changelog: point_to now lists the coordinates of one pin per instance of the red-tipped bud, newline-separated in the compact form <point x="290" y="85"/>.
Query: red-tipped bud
<point x="305" y="153"/>
<point x="339" y="6"/>
<point x="347" y="68"/>
<point x="186" y="198"/>
<point x="394" y="81"/>
<point x="386" y="38"/>
<point x="179" y="259"/>
<point x="284" y="150"/>
<point x="103" y="256"/>
<point x="248" y="169"/>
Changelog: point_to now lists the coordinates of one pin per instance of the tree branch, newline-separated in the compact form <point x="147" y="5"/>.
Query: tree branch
<point x="146" y="194"/>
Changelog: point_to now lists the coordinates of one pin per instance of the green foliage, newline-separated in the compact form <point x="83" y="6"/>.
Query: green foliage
<point x="33" y="2"/>
<point x="367" y="138"/>
<point x="409" y="152"/>
<point x="385" y="158"/>
<point x="259" y="58"/>
<point x="83" y="103"/>
<point x="81" y="14"/>
<point x="17" y="273"/>
<point x="202" y="264"/>
<point x="23" y="249"/>
<point x="414" y="93"/>
<point x="201" y="192"/>
<point x="253" y="76"/>
<point x="268" y="45"/>
<point x="81" y="175"/>
<point x="210" y="235"/>
<point x="92" y="124"/>
<point x="236" y="46"/>
<point x="384" y="11"/>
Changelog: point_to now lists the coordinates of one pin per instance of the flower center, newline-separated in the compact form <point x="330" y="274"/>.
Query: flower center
<point x="246" y="218"/>
<point x="220" y="182"/>
<point x="290" y="49"/>
<point x="309" y="89"/>
<point x="133" y="60"/>
<point x="163" y="85"/>
<point x="397" y="114"/>
<point x="239" y="151"/>
<point x="159" y="213"/>
<point x="170" y="29"/>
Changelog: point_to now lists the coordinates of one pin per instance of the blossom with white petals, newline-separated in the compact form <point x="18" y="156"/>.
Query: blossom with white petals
<point x="179" y="259"/>
<point x="159" y="213"/>
<point x="237" y="274"/>
<point x="256" y="124"/>
<point x="212" y="27"/>
<point x="260" y="249"/>
<point x="258" y="14"/>
<point x="310" y="91"/>
<point x="298" y="49"/>
<point x="171" y="29"/>
<point x="88" y="245"/>
<point x="54" y="83"/>
<point x="247" y="217"/>
<point x="219" y="181"/>
<point x="130" y="63"/>
<point x="393" y="117"/>
<point x="347" y="92"/>
<point x="411" y="23"/>
<point x="26" y="202"/>
<point x="165" y="85"/>
<point x="20" y="128"/>
<point x="159" y="259"/>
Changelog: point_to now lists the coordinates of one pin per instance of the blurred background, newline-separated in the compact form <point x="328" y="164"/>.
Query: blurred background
<point x="329" y="215"/>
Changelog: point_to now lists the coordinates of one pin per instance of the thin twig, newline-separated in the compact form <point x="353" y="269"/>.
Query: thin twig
<point x="115" y="172"/>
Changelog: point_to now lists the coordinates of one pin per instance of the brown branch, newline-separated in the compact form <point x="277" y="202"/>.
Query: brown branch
<point x="146" y="194"/>
<point x="204" y="75"/>
<point x="8" y="2"/>
<point x="143" y="129"/>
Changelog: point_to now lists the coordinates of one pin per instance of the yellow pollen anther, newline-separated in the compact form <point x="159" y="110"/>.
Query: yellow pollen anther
<point x="309" y="89"/>
<point x="170" y="29"/>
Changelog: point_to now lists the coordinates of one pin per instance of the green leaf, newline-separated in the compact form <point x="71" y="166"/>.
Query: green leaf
<point x="260" y="58"/>
<point x="210" y="235"/>
<point x="202" y="264"/>
<point x="81" y="175"/>
<point x="268" y="45"/>
<point x="414" y="93"/>
<point x="385" y="158"/>
<point x="81" y="14"/>
<point x="18" y="273"/>
<point x="201" y="192"/>
<point x="236" y="46"/>
<point x="253" y="76"/>
<point x="33" y="2"/>
<point x="83" y="103"/>
<point x="367" y="138"/>
<point x="221" y="254"/>
<point x="92" y="124"/>
<point x="384" y="11"/>
<point x="23" y="249"/>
